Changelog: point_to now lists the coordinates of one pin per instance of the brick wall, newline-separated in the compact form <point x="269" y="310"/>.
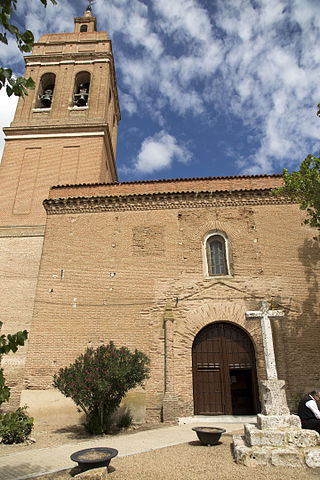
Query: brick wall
<point x="20" y="254"/>
<point x="30" y="167"/>
<point x="115" y="272"/>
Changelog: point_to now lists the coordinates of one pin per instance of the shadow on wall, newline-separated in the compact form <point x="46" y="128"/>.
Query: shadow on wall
<point x="309" y="256"/>
<point x="308" y="329"/>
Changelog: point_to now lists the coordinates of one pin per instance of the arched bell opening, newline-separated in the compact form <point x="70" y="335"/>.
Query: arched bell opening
<point x="81" y="89"/>
<point x="45" y="90"/>
<point x="224" y="371"/>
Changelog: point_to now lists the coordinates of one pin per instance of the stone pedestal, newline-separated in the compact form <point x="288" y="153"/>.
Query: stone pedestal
<point x="274" y="401"/>
<point x="169" y="407"/>
<point x="277" y="438"/>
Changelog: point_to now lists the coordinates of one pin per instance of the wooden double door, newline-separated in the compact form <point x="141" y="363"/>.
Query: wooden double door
<point x="224" y="371"/>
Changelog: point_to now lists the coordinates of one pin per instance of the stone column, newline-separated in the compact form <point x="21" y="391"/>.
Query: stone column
<point x="169" y="402"/>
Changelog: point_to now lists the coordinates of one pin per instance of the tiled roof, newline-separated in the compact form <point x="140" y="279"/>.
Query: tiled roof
<point x="168" y="180"/>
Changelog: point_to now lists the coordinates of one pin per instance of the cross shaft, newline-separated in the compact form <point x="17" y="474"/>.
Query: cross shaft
<point x="265" y="314"/>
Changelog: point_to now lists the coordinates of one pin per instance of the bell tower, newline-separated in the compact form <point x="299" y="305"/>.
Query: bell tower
<point x="63" y="132"/>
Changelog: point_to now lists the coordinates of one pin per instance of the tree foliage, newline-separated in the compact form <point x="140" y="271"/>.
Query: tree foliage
<point x="303" y="186"/>
<point x="9" y="343"/>
<point x="98" y="380"/>
<point x="25" y="40"/>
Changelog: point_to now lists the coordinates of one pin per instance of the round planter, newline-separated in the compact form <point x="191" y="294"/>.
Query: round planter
<point x="94" y="457"/>
<point x="209" y="435"/>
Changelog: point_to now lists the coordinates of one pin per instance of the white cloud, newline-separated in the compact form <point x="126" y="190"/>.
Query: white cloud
<point x="10" y="54"/>
<point x="52" y="19"/>
<point x="270" y="71"/>
<point x="159" y="152"/>
<point x="128" y="103"/>
<point x="256" y="61"/>
<point x="7" y="110"/>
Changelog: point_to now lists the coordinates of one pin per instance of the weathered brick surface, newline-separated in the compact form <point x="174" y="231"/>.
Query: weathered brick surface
<point x="30" y="167"/>
<point x="121" y="269"/>
<point x="20" y="258"/>
<point x="46" y="147"/>
<point x="111" y="269"/>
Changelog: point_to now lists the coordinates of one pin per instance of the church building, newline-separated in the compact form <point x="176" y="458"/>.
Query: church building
<point x="169" y="267"/>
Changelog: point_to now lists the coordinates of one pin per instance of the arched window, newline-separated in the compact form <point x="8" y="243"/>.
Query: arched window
<point x="45" y="91"/>
<point x="83" y="28"/>
<point x="81" y="89"/>
<point x="217" y="254"/>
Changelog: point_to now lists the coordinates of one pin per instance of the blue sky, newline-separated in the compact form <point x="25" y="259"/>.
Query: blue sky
<point x="206" y="87"/>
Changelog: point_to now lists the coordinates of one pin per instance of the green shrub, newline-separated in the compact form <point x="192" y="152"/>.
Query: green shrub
<point x="297" y="398"/>
<point x="15" y="427"/>
<point x="124" y="419"/>
<point x="98" y="380"/>
<point x="93" y="423"/>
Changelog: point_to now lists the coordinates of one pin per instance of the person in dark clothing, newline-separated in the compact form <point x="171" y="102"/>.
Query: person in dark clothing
<point x="309" y="412"/>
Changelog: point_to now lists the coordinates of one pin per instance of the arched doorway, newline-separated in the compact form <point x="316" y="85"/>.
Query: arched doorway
<point x="224" y="371"/>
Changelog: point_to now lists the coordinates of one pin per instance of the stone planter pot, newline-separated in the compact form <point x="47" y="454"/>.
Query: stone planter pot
<point x="94" y="457"/>
<point x="209" y="435"/>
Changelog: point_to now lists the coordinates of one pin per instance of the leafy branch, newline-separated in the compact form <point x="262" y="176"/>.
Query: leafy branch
<point x="303" y="186"/>
<point x="25" y="40"/>
<point x="9" y="343"/>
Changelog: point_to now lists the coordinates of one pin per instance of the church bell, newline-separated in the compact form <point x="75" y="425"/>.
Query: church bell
<point x="46" y="98"/>
<point x="81" y="98"/>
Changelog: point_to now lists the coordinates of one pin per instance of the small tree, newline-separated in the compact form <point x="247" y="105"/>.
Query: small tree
<point x="9" y="343"/>
<point x="98" y="380"/>
<point x="303" y="186"/>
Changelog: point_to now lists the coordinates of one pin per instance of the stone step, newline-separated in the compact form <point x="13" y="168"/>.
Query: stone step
<point x="218" y="419"/>
<point x="277" y="421"/>
<point x="286" y="456"/>
<point x="280" y="437"/>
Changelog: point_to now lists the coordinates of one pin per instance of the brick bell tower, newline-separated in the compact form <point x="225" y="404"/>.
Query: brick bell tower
<point x="63" y="132"/>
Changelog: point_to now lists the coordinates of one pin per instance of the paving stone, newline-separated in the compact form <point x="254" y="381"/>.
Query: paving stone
<point x="93" y="474"/>
<point x="312" y="457"/>
<point x="286" y="457"/>
<point x="241" y="451"/>
<point x="303" y="438"/>
<point x="268" y="438"/>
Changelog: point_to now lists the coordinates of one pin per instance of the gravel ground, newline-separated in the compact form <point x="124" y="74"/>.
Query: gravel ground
<point x="188" y="461"/>
<point x="192" y="461"/>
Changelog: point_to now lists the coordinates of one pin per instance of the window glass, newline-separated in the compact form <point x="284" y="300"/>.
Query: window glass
<point x="216" y="255"/>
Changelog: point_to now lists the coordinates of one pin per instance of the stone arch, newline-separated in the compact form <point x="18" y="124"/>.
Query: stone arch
<point x="45" y="90"/>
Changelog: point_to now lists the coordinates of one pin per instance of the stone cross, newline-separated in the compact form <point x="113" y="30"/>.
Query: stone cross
<point x="265" y="314"/>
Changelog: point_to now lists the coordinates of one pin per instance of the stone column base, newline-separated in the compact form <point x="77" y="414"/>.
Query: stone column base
<point x="278" y="421"/>
<point x="285" y="456"/>
<point x="277" y="441"/>
<point x="169" y="408"/>
<point x="277" y="438"/>
<point x="274" y="401"/>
